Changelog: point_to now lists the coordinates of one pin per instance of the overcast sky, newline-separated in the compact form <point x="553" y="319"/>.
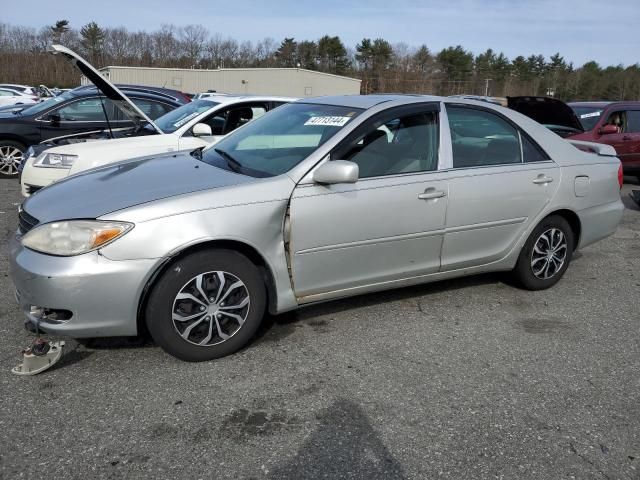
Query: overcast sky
<point x="605" y="31"/>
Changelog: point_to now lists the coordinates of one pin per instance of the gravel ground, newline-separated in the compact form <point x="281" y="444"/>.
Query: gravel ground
<point x="469" y="378"/>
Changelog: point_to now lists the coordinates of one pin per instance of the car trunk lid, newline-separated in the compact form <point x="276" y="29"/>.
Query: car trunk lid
<point x="550" y="112"/>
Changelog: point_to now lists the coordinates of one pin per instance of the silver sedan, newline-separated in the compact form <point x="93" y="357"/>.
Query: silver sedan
<point x="319" y="199"/>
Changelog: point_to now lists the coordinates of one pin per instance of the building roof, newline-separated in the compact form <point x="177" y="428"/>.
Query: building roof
<point x="205" y="70"/>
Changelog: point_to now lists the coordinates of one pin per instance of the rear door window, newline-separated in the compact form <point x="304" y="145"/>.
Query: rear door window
<point x="152" y="108"/>
<point x="633" y="121"/>
<point x="481" y="138"/>
<point x="85" y="110"/>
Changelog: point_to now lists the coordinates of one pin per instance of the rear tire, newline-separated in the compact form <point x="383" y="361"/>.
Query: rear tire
<point x="206" y="305"/>
<point x="11" y="155"/>
<point x="545" y="255"/>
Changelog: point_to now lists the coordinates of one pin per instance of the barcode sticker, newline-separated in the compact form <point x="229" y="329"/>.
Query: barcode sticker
<point x="328" y="121"/>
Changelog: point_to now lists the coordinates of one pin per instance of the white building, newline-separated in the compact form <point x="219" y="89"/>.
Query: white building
<point x="293" y="82"/>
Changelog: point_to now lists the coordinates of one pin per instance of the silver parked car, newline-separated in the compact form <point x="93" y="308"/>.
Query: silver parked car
<point x="318" y="199"/>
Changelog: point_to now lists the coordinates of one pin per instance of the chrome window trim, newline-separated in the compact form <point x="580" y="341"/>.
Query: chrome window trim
<point x="529" y="165"/>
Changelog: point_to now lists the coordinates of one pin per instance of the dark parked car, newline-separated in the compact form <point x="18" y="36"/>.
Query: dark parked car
<point x="616" y="124"/>
<point x="82" y="110"/>
<point x="554" y="114"/>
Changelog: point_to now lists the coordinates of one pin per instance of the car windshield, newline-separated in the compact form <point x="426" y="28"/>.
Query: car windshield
<point x="588" y="116"/>
<point x="42" y="106"/>
<point x="170" y="122"/>
<point x="275" y="143"/>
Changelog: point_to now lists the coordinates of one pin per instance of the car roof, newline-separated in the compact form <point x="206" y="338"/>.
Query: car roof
<point x="241" y="98"/>
<point x="605" y="104"/>
<point x="368" y="101"/>
<point x="173" y="95"/>
<point x="87" y="90"/>
<point x="176" y="94"/>
<point x="589" y="104"/>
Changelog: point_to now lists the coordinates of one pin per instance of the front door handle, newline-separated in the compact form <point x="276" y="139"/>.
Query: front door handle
<point x="627" y="137"/>
<point x="431" y="193"/>
<point x="542" y="180"/>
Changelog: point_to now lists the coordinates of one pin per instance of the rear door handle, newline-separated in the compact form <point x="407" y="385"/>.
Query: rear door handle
<point x="542" y="180"/>
<point x="431" y="193"/>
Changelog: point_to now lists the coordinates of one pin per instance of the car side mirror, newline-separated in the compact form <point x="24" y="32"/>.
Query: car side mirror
<point x="202" y="130"/>
<point x="54" y="118"/>
<point x="608" y="130"/>
<point x="336" y="171"/>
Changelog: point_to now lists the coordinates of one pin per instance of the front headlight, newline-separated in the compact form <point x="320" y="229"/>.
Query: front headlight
<point x="54" y="160"/>
<point x="73" y="237"/>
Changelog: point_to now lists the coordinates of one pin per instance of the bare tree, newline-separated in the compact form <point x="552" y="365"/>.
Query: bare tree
<point x="381" y="66"/>
<point x="192" y="39"/>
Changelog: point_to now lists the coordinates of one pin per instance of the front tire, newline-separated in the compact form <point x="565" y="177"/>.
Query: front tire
<point x="11" y="155"/>
<point x="206" y="305"/>
<point x="546" y="254"/>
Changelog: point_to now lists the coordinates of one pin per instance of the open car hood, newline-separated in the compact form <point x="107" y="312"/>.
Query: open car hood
<point x="109" y="90"/>
<point x="550" y="112"/>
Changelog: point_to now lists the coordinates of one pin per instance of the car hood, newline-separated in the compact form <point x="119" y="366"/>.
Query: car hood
<point x="547" y="111"/>
<point x="110" y="91"/>
<point x="115" y="187"/>
<point x="114" y="145"/>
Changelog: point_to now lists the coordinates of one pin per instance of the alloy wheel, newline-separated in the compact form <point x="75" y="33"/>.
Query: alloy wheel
<point x="10" y="159"/>
<point x="549" y="253"/>
<point x="210" y="308"/>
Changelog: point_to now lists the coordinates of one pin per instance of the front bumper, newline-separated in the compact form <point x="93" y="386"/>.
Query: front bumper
<point x="34" y="178"/>
<point x="102" y="295"/>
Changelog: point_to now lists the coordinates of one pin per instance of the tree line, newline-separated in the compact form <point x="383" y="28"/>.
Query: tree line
<point x="382" y="66"/>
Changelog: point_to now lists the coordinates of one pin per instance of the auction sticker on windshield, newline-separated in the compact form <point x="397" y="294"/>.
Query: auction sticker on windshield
<point x="328" y="121"/>
<point x="181" y="122"/>
<point x="591" y="114"/>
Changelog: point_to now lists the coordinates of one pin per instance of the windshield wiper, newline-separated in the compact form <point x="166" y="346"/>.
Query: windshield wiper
<point x="232" y="162"/>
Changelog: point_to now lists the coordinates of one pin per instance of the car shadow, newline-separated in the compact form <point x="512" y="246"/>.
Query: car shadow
<point x="110" y="343"/>
<point x="71" y="357"/>
<point x="276" y="327"/>
<point x="629" y="203"/>
<point x="631" y="180"/>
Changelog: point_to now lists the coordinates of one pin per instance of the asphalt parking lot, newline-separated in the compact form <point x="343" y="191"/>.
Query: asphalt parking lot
<point x="470" y="378"/>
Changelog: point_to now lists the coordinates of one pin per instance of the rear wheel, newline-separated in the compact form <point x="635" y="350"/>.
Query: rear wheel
<point x="546" y="254"/>
<point x="11" y="155"/>
<point x="206" y="305"/>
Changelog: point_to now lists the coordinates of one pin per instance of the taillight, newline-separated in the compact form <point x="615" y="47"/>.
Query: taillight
<point x="620" y="176"/>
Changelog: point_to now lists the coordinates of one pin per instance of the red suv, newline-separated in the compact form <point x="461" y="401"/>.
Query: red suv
<point x="616" y="124"/>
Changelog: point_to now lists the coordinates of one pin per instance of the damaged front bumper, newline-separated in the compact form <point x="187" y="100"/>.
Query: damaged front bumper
<point x="81" y="296"/>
